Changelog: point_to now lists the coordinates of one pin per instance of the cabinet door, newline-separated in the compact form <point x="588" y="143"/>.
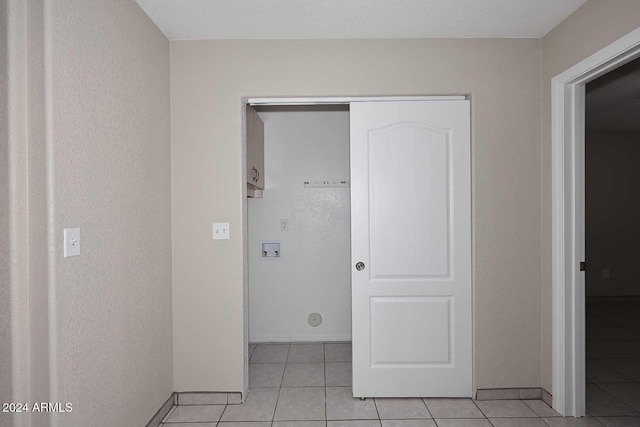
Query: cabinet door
<point x="258" y="151"/>
<point x="251" y="116"/>
<point x="255" y="149"/>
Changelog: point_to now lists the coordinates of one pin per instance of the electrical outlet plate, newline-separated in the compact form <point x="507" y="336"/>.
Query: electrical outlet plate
<point x="220" y="231"/>
<point x="71" y="242"/>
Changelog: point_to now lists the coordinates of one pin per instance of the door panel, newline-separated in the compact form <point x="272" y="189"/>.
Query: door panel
<point x="413" y="155"/>
<point x="415" y="346"/>
<point x="411" y="227"/>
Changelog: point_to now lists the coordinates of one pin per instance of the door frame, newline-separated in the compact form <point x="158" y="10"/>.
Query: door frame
<point x="288" y="101"/>
<point x="568" y="229"/>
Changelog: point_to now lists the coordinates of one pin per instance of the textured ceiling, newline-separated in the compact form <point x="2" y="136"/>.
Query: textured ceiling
<point x="332" y="19"/>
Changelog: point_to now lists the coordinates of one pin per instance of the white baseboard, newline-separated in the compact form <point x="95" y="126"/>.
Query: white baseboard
<point x="315" y="338"/>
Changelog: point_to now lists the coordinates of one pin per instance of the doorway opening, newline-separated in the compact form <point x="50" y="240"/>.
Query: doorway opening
<point x="299" y="250"/>
<point x="568" y="219"/>
<point x="612" y="230"/>
<point x="404" y="255"/>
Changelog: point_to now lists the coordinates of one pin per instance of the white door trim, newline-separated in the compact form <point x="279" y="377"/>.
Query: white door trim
<point x="345" y="100"/>
<point x="567" y="157"/>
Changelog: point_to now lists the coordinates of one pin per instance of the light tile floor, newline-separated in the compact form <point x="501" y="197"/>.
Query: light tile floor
<point x="309" y="385"/>
<point x="613" y="362"/>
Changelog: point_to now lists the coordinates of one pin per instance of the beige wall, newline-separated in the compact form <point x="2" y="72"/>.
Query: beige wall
<point x="90" y="148"/>
<point x="6" y="391"/>
<point x="590" y="28"/>
<point x="208" y="79"/>
<point x="110" y="132"/>
<point x="24" y="75"/>
<point x="40" y="343"/>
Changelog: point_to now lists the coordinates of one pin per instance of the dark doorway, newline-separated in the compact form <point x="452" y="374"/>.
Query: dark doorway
<point x="612" y="243"/>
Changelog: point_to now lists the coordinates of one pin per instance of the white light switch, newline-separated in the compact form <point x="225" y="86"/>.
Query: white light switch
<point x="71" y="242"/>
<point x="284" y="224"/>
<point x="220" y="230"/>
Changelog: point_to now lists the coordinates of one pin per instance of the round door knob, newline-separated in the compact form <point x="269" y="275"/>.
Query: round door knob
<point x="360" y="266"/>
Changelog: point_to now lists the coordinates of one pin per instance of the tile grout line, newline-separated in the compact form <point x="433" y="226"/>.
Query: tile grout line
<point x="223" y="411"/>
<point x="275" y="408"/>
<point x="615" y="370"/>
<point x="545" y="421"/>
<point x="428" y="411"/>
<point x="479" y="409"/>
<point x="616" y="398"/>
<point x="375" y="405"/>
<point x="286" y="362"/>
<point x="324" y="358"/>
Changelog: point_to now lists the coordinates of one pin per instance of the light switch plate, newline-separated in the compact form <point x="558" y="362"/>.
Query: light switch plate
<point x="220" y="230"/>
<point x="71" y="242"/>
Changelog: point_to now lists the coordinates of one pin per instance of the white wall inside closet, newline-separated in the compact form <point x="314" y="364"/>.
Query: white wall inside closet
<point x="313" y="272"/>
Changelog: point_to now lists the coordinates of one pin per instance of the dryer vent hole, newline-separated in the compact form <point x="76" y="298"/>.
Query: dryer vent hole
<point x="315" y="319"/>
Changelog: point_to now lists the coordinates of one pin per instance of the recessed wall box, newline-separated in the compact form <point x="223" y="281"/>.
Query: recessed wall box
<point x="270" y="250"/>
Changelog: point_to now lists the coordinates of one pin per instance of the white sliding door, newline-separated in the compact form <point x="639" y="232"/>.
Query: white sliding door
<point x="411" y="248"/>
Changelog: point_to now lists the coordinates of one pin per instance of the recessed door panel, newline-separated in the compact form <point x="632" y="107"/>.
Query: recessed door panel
<point x="412" y="241"/>
<point x="395" y="341"/>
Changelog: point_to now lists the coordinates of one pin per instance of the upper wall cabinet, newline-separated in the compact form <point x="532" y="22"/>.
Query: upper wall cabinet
<point x="255" y="153"/>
